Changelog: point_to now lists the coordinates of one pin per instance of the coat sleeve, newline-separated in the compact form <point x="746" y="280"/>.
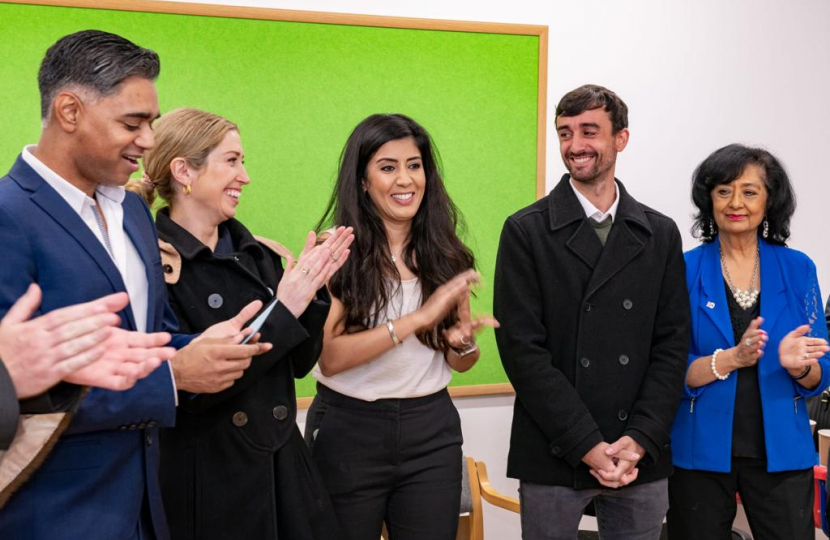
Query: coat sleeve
<point x="812" y="302"/>
<point x="542" y="389"/>
<point x="313" y="319"/>
<point x="653" y="412"/>
<point x="9" y="409"/>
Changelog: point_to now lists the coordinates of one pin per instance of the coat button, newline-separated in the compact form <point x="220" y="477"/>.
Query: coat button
<point x="587" y="306"/>
<point x="556" y="450"/>
<point x="627" y="304"/>
<point x="623" y="360"/>
<point x="167" y="269"/>
<point x="148" y="439"/>
<point x="622" y="415"/>
<point x="240" y="419"/>
<point x="215" y="300"/>
<point x="585" y="362"/>
<point x="280" y="412"/>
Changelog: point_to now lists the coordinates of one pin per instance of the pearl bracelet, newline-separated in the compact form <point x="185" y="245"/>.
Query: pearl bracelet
<point x="713" y="365"/>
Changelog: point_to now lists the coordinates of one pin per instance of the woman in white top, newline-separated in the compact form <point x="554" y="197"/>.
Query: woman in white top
<point x="383" y="429"/>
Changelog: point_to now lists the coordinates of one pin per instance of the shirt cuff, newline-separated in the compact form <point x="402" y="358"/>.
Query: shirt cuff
<point x="173" y="382"/>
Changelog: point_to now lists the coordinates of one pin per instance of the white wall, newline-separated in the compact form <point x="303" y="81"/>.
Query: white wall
<point x="696" y="76"/>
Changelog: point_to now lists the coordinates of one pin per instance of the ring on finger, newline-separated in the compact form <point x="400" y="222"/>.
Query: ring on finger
<point x="465" y="341"/>
<point x="748" y="342"/>
<point x="806" y="355"/>
<point x="304" y="270"/>
<point x="333" y="258"/>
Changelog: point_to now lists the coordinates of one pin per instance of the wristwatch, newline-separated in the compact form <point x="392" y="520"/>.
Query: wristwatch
<point x="469" y="349"/>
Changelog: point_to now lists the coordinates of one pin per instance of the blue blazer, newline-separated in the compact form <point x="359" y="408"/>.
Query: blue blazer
<point x="790" y="297"/>
<point x="93" y="482"/>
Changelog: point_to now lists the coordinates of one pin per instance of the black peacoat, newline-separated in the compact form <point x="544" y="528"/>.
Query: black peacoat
<point x="594" y="339"/>
<point x="235" y="465"/>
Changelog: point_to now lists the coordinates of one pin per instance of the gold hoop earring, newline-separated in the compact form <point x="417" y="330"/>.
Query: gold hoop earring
<point x="187" y="189"/>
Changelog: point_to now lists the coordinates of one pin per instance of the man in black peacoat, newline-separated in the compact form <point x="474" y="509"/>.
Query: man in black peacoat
<point x="593" y="337"/>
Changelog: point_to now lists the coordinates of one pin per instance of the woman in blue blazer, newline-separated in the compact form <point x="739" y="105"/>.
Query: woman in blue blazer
<point x="758" y="349"/>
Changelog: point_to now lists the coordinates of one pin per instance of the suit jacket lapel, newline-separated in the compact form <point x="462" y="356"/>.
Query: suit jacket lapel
<point x="713" y="298"/>
<point x="58" y="209"/>
<point x="141" y="243"/>
<point x="565" y="210"/>
<point x="624" y="241"/>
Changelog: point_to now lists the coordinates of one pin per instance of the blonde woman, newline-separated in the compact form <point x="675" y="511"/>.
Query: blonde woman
<point x="235" y="465"/>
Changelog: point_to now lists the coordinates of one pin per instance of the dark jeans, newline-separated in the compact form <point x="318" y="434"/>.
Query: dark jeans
<point x="778" y="506"/>
<point x="630" y="513"/>
<point x="393" y="460"/>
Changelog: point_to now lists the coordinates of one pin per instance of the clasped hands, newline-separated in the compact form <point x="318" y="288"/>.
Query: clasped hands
<point x="615" y="465"/>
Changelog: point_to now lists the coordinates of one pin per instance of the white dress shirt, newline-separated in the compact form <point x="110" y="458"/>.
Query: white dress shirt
<point x="592" y="211"/>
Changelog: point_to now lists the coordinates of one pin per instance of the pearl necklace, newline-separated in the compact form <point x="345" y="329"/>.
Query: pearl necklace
<point x="746" y="299"/>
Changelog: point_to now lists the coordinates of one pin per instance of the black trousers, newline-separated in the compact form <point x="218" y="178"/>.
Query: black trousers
<point x="393" y="460"/>
<point x="778" y="506"/>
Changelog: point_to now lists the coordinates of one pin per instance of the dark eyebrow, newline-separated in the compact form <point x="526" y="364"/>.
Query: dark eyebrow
<point x="142" y="115"/>
<point x="413" y="158"/>
<point x="387" y="159"/>
<point x="589" y="124"/>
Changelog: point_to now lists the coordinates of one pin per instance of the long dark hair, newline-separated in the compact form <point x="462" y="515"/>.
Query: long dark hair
<point x="725" y="165"/>
<point x="433" y="251"/>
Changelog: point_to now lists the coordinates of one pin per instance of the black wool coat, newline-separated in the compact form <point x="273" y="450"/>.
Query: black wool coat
<point x="235" y="465"/>
<point x="594" y="339"/>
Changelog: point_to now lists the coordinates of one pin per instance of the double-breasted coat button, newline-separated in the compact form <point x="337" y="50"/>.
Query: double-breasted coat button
<point x="628" y="304"/>
<point x="280" y="412"/>
<point x="622" y="415"/>
<point x="240" y="419"/>
<point x="215" y="300"/>
<point x="623" y="360"/>
<point x="167" y="269"/>
<point x="587" y="306"/>
<point x="556" y="450"/>
<point x="584" y="362"/>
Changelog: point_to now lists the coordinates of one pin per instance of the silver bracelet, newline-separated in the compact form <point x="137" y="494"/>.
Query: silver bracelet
<point x="713" y="365"/>
<point x="392" y="334"/>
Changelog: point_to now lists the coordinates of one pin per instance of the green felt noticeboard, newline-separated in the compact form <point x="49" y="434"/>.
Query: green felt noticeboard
<point x="297" y="83"/>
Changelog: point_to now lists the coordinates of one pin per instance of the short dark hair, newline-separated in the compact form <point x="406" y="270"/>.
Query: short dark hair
<point x="725" y="165"/>
<point x="592" y="96"/>
<point x="94" y="60"/>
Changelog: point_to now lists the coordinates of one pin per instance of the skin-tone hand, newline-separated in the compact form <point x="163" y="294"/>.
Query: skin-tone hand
<point x="75" y="343"/>
<point x="746" y="353"/>
<point x="216" y="359"/>
<point x="797" y="351"/>
<point x="445" y="299"/>
<point x="127" y="357"/>
<point x="316" y="264"/>
<point x="342" y="351"/>
<point x="462" y="334"/>
<point x="598" y="460"/>
<point x="751" y="347"/>
<point x="625" y="453"/>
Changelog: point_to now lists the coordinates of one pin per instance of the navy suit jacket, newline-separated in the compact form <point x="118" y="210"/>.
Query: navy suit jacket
<point x="95" y="480"/>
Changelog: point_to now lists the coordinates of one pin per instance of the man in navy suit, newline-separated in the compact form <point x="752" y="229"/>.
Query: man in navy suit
<point x="67" y="224"/>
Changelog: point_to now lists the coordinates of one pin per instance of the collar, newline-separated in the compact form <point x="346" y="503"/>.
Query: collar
<point x="565" y="208"/>
<point x="189" y="247"/>
<point x="72" y="195"/>
<point x="592" y="211"/>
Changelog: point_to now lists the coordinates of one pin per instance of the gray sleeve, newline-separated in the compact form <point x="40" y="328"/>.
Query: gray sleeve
<point x="9" y="409"/>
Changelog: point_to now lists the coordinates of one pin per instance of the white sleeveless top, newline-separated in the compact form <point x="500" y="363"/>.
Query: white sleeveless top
<point x="408" y="370"/>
